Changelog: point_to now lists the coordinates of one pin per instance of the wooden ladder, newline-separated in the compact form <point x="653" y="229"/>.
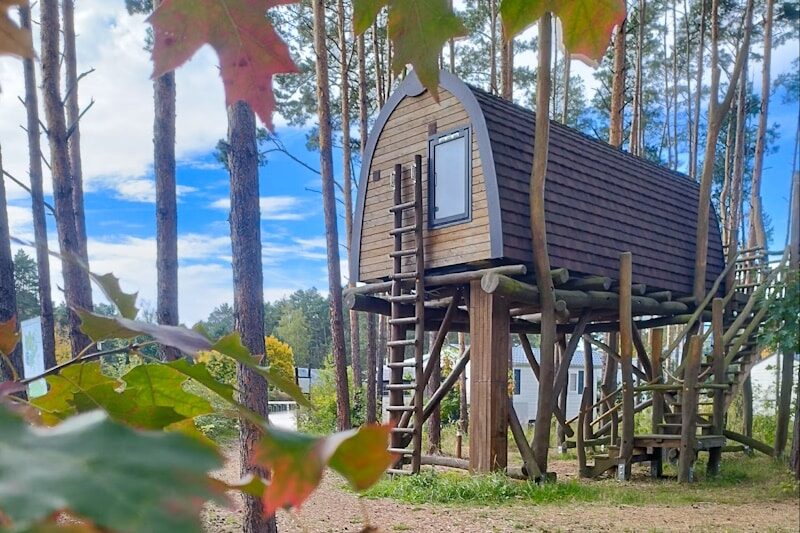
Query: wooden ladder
<point x="407" y="308"/>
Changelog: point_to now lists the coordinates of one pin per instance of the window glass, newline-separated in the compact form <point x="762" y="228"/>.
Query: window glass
<point x="573" y="382"/>
<point x="450" y="178"/>
<point x="580" y="380"/>
<point x="517" y="385"/>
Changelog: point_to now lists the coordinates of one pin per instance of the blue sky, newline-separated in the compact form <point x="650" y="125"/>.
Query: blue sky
<point x="117" y="160"/>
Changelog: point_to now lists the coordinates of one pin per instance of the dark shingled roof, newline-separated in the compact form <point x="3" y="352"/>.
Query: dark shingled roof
<point x="600" y="201"/>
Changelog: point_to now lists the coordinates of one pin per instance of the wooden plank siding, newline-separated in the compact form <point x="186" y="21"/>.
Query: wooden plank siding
<point x="405" y="135"/>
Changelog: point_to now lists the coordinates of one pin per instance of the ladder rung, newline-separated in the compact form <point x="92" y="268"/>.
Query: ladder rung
<point x="402" y="364"/>
<point x="403" y="298"/>
<point x="403" y="275"/>
<point x="405" y="320"/>
<point x="403" y="342"/>
<point x="402" y="253"/>
<point x="407" y="431"/>
<point x="402" y="451"/>
<point x="399" y="407"/>
<point x="403" y="229"/>
<point x="401" y="207"/>
<point x="401" y="386"/>
<point x="398" y="471"/>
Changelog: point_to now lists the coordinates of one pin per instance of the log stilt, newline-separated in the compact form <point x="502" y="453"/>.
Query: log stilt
<point x="626" y="364"/>
<point x="689" y="410"/>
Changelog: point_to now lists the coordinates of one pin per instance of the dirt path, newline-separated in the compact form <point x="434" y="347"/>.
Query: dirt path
<point x="332" y="508"/>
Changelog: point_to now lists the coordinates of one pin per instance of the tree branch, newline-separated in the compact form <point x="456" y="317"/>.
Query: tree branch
<point x="28" y="190"/>
<point x="74" y="125"/>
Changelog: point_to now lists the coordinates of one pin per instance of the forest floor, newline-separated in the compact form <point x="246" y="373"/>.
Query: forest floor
<point x="763" y="501"/>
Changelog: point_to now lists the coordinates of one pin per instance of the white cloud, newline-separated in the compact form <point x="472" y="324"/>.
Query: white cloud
<point x="20" y="222"/>
<point x="273" y="207"/>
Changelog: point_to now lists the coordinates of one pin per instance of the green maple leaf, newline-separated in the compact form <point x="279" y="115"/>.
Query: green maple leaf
<point x="297" y="462"/>
<point x="117" y="478"/>
<point x="13" y="40"/>
<point x="250" y="51"/>
<point x="125" y="302"/>
<point x="587" y="24"/>
<point x="418" y="29"/>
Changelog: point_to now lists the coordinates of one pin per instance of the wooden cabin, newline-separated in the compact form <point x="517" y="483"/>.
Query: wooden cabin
<point x="600" y="201"/>
<point x="442" y="242"/>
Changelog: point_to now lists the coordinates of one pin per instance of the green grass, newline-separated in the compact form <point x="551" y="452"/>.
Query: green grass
<point x="742" y="478"/>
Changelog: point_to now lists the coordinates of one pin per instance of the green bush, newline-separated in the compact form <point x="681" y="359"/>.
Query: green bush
<point x="322" y="419"/>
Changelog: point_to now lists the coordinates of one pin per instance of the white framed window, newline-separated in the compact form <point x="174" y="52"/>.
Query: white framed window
<point x="449" y="177"/>
<point x="573" y="382"/>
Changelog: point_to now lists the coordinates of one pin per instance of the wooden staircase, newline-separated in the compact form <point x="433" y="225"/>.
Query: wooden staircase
<point x="408" y="289"/>
<point x="701" y="414"/>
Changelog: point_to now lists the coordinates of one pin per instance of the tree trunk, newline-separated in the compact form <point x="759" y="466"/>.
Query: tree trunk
<point x="372" y="320"/>
<point x="747" y="408"/>
<point x="493" y="86"/>
<point x="785" y="402"/>
<point x="716" y="112"/>
<point x="698" y="93"/>
<point x="565" y="108"/>
<point x="378" y="59"/>
<point x="77" y="290"/>
<point x="73" y="114"/>
<point x="618" y="90"/>
<point x="8" y="297"/>
<point x="37" y="202"/>
<point x="636" y="123"/>
<point x="506" y="69"/>
<point x="331" y="225"/>
<point x="541" y="260"/>
<point x="463" y="414"/>
<point x="435" y="420"/>
<point x="382" y="339"/>
<point x="757" y="235"/>
<point x="248" y="294"/>
<point x="166" y="205"/>
<point x="737" y="178"/>
<point x="344" y="70"/>
<point x="451" y="44"/>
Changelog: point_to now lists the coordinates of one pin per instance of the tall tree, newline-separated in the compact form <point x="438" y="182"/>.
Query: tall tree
<point x="37" y="201"/>
<point x="77" y="289"/>
<point x="636" y="122"/>
<point x="347" y="179"/>
<point x="248" y="294"/>
<point x="757" y="236"/>
<point x="8" y="297"/>
<point x="618" y="90"/>
<point x="717" y="110"/>
<point x="73" y="123"/>
<point x="26" y="286"/>
<point x="329" y="208"/>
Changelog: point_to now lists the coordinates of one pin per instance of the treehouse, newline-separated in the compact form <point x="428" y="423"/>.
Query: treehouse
<point x="442" y="242"/>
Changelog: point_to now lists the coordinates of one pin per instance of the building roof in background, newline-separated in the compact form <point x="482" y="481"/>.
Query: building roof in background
<point x="518" y="357"/>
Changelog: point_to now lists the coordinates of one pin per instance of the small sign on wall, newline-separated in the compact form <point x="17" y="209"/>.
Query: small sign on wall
<point x="33" y="355"/>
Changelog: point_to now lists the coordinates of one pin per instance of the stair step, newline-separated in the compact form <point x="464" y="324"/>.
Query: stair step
<point x="401" y="298"/>
<point x="403" y="253"/>
<point x="403" y="342"/>
<point x="402" y="207"/>
<point x="401" y="386"/>
<point x="402" y="451"/>
<point x="402" y="321"/>
<point x="406" y="431"/>
<point x="402" y="364"/>
<point x="400" y="408"/>
<point x="403" y="229"/>
<point x="678" y="426"/>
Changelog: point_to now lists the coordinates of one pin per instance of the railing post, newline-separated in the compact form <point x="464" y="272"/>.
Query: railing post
<point x="689" y="410"/>
<point x="718" y="367"/>
<point x="656" y="347"/>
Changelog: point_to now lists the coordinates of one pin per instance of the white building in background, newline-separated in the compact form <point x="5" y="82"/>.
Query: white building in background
<point x="526" y="386"/>
<point x="764" y="377"/>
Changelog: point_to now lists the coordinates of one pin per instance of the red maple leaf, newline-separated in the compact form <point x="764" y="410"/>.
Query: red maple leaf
<point x="250" y="51"/>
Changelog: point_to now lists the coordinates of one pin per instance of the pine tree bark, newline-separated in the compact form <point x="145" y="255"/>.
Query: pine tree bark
<point x="757" y="235"/>
<point x="716" y="112"/>
<point x="541" y="260"/>
<point x="493" y="85"/>
<point x="164" y="96"/>
<point x="636" y="122"/>
<point x="435" y="420"/>
<point x="737" y="178"/>
<point x="347" y="179"/>
<point x="248" y="294"/>
<point x="747" y="407"/>
<point x="695" y="141"/>
<point x="506" y="68"/>
<point x="8" y="297"/>
<point x="73" y="125"/>
<point x="377" y="57"/>
<point x="77" y="289"/>
<point x="565" y="103"/>
<point x="618" y="90"/>
<point x="372" y="324"/>
<point x="37" y="202"/>
<point x="331" y="225"/>
<point x="463" y="413"/>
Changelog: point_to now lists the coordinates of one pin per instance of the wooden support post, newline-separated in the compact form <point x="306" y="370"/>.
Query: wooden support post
<point x="561" y="391"/>
<point x="718" y="367"/>
<point x="588" y="387"/>
<point x="656" y="347"/>
<point x="580" y="441"/>
<point x="488" y="417"/>
<point x="626" y="363"/>
<point x="531" y="467"/>
<point x="689" y="410"/>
